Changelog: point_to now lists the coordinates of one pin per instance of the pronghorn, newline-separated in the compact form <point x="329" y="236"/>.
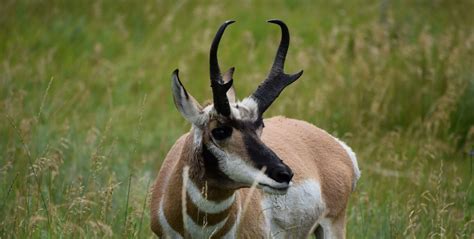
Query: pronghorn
<point x="206" y="185"/>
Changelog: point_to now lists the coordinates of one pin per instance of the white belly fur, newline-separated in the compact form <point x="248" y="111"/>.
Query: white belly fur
<point x="294" y="214"/>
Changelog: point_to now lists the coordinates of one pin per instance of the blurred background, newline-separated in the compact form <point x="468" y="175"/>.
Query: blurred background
<point x="87" y="115"/>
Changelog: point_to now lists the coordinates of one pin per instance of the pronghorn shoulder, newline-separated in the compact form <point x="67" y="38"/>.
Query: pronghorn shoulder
<point x="173" y="155"/>
<point x="319" y="139"/>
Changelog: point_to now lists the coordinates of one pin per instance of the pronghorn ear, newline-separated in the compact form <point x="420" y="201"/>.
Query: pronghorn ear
<point x="228" y="77"/>
<point x="185" y="103"/>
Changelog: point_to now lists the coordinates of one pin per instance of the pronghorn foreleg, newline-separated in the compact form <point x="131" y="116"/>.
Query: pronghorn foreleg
<point x="334" y="227"/>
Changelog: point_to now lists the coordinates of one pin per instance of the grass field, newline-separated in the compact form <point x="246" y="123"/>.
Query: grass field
<point x="87" y="114"/>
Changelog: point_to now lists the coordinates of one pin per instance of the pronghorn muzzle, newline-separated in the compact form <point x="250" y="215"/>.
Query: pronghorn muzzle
<point x="263" y="157"/>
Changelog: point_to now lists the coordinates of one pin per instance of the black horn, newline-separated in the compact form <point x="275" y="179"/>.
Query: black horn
<point x="219" y="87"/>
<point x="277" y="79"/>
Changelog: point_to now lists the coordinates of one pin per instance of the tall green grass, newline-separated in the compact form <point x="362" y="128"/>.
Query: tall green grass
<point x="87" y="115"/>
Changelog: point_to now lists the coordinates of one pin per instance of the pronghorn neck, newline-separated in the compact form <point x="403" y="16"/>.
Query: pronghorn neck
<point x="208" y="210"/>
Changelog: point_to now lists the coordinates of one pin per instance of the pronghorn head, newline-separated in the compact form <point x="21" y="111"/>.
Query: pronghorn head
<point x="227" y="132"/>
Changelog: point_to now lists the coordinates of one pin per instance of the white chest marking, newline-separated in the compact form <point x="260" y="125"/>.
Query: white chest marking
<point x="195" y="230"/>
<point x="294" y="214"/>
<point x="168" y="231"/>
<point x="205" y="205"/>
<point x="200" y="231"/>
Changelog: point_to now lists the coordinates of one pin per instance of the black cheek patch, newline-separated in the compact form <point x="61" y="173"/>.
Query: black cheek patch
<point x="211" y="165"/>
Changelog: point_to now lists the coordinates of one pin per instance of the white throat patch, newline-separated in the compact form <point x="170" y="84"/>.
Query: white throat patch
<point x="205" y="205"/>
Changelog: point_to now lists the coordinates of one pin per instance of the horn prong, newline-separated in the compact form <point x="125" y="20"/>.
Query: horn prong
<point x="219" y="88"/>
<point x="277" y="79"/>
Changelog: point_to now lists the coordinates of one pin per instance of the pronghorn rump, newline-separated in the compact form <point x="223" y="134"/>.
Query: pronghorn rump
<point x="325" y="173"/>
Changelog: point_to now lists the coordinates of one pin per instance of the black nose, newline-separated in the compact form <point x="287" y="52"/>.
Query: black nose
<point x="282" y="175"/>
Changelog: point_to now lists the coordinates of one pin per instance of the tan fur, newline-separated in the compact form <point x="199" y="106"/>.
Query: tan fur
<point x="252" y="222"/>
<point x="309" y="151"/>
<point x="312" y="153"/>
<point x="159" y="187"/>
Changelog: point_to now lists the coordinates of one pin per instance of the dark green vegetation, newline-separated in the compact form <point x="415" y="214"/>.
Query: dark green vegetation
<point x="87" y="113"/>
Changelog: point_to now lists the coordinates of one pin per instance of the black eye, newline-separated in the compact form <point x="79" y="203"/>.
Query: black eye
<point x="221" y="132"/>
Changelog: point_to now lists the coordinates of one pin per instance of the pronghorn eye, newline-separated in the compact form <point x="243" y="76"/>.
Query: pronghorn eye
<point x="221" y="132"/>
